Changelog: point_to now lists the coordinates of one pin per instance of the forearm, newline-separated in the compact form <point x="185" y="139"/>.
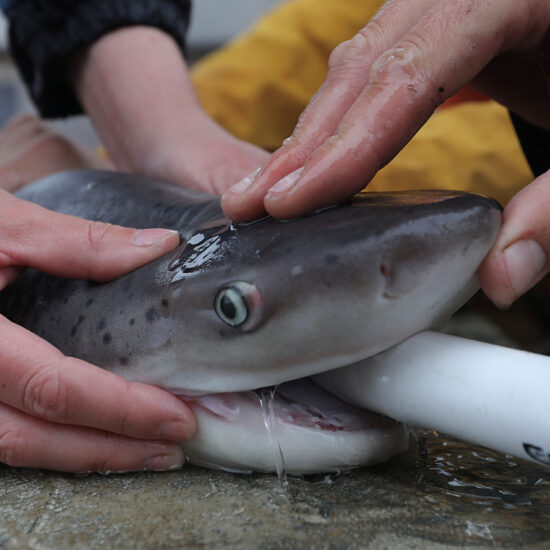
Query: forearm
<point x="134" y="85"/>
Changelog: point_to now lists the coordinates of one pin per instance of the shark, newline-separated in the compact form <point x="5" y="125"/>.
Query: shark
<point x="238" y="318"/>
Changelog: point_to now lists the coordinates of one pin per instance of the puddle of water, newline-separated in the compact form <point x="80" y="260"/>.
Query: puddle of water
<point x="480" y="476"/>
<point x="493" y="492"/>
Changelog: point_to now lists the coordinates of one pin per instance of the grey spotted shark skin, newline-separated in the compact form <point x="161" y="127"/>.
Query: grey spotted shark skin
<point x="237" y="308"/>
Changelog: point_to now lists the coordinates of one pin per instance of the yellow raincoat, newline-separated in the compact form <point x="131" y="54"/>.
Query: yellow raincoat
<point x="257" y="86"/>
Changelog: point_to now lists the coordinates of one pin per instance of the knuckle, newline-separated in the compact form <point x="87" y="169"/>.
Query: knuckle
<point x="13" y="445"/>
<point x="356" y="51"/>
<point x="98" y="234"/>
<point x="403" y="65"/>
<point x="348" y="55"/>
<point x="396" y="62"/>
<point x="45" y="395"/>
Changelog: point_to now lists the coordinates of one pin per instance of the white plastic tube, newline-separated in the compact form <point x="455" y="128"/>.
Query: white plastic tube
<point x="486" y="394"/>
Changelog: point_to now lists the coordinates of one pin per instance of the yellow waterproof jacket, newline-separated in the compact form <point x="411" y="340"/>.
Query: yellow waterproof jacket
<point x="257" y="86"/>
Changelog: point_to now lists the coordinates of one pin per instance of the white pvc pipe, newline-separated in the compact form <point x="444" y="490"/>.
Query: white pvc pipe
<point x="490" y="395"/>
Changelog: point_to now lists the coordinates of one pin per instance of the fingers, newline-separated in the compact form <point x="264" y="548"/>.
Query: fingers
<point x="37" y="379"/>
<point x="348" y="74"/>
<point x="34" y="443"/>
<point x="72" y="247"/>
<point x="417" y="63"/>
<point x="520" y="257"/>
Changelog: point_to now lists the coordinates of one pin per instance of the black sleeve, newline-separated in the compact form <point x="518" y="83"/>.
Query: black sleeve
<point x="45" y="33"/>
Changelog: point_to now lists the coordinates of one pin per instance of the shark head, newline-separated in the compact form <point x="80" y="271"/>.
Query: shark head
<point x="272" y="301"/>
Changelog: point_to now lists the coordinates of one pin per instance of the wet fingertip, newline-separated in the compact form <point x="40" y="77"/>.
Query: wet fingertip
<point x="284" y="185"/>
<point x="180" y="430"/>
<point x="162" y="239"/>
<point x="241" y="187"/>
<point x="172" y="459"/>
<point x="241" y="211"/>
<point x="525" y="261"/>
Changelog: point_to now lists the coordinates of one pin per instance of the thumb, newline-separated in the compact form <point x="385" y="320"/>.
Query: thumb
<point x="520" y="257"/>
<point x="72" y="247"/>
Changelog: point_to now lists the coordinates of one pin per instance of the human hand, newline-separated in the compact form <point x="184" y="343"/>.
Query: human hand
<point x="59" y="412"/>
<point x="520" y="258"/>
<point x="384" y="84"/>
<point x="209" y="159"/>
<point x="29" y="149"/>
<point x="135" y="86"/>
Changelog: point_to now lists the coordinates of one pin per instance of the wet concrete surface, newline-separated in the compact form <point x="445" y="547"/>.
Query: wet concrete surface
<point x="442" y="494"/>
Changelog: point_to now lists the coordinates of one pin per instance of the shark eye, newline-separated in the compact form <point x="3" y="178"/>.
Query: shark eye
<point x="237" y="303"/>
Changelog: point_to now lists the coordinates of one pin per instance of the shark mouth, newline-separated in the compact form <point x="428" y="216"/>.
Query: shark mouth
<point x="295" y="427"/>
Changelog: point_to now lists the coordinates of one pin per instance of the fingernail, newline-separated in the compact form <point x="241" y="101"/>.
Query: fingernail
<point x="525" y="261"/>
<point x="160" y="238"/>
<point x="179" y="430"/>
<point x="243" y="185"/>
<point x="284" y="185"/>
<point x="173" y="460"/>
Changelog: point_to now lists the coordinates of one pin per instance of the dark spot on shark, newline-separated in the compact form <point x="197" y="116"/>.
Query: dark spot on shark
<point x="152" y="314"/>
<point x="132" y="321"/>
<point x="164" y="302"/>
<point x="102" y="324"/>
<point x="331" y="258"/>
<point x="74" y="328"/>
<point x="123" y="361"/>
<point x="107" y="338"/>
<point x="89" y="302"/>
<point x="126" y="283"/>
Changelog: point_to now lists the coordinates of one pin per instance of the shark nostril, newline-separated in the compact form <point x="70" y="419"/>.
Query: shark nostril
<point x="386" y="271"/>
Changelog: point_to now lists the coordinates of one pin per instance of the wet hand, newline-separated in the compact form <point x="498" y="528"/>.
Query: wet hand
<point x="520" y="257"/>
<point x="62" y="413"/>
<point x="384" y="84"/>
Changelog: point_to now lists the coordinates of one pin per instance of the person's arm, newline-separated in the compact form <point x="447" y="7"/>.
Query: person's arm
<point x="135" y="86"/>
<point x="121" y="61"/>
<point x="384" y="84"/>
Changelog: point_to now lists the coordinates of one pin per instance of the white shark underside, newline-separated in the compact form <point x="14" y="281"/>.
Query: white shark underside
<point x="235" y="309"/>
